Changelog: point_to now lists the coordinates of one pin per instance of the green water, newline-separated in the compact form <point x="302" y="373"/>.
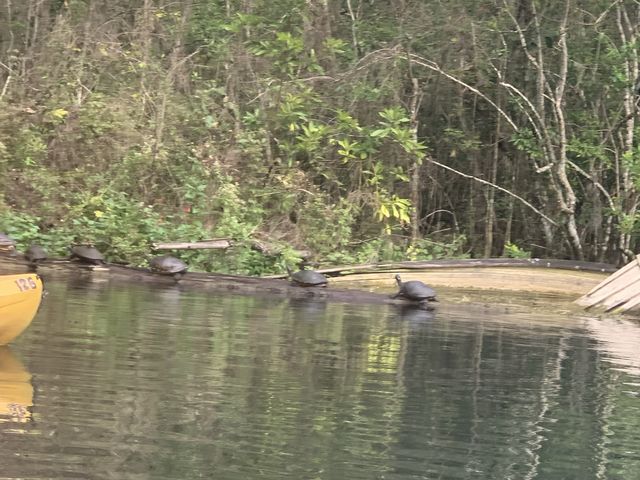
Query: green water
<point x="135" y="382"/>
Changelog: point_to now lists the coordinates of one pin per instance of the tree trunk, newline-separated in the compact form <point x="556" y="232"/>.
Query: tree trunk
<point x="416" y="96"/>
<point x="317" y="30"/>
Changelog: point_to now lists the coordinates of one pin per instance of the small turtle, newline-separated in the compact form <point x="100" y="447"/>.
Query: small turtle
<point x="7" y="244"/>
<point x="34" y="254"/>
<point x="415" y="290"/>
<point x="87" y="254"/>
<point x="168" y="265"/>
<point x="307" y="278"/>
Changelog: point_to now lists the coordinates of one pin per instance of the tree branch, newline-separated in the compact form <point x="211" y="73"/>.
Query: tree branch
<point x="434" y="66"/>
<point x="498" y="187"/>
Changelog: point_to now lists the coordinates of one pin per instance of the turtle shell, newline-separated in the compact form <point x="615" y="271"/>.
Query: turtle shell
<point x="87" y="253"/>
<point x="308" y="278"/>
<point x="35" y="253"/>
<point x="415" y="290"/>
<point x="168" y="265"/>
<point x="7" y="244"/>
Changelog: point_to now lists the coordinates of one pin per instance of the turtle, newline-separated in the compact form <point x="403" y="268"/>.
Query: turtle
<point x="307" y="278"/>
<point x="7" y="244"/>
<point x="168" y="265"/>
<point x="415" y="290"/>
<point x="87" y="254"/>
<point x="34" y="254"/>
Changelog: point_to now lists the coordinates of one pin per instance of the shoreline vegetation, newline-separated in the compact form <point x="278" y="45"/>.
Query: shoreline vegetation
<point x="334" y="132"/>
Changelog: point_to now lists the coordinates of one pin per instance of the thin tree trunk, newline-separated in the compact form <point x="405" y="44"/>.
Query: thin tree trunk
<point x="490" y="194"/>
<point x="176" y="60"/>
<point x="81" y="88"/>
<point x="510" y="207"/>
<point x="416" y="96"/>
<point x="317" y="30"/>
<point x="628" y="196"/>
<point x="567" y="196"/>
<point x="144" y="35"/>
<point x="9" y="65"/>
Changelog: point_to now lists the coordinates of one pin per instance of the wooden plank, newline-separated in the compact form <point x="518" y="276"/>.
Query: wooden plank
<point x="620" y="292"/>
<point x="604" y="296"/>
<point x="620" y="298"/>
<point x="217" y="243"/>
<point x="610" y="287"/>
<point x="602" y="293"/>
<point x="628" y="305"/>
<point x="224" y="243"/>
<point x="612" y="278"/>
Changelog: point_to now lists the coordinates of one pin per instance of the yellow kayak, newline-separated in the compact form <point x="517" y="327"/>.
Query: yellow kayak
<point x="20" y="297"/>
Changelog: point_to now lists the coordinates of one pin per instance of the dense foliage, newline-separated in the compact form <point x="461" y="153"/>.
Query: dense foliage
<point x="356" y="130"/>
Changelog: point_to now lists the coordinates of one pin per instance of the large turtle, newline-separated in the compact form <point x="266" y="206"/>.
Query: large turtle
<point x="34" y="254"/>
<point x="7" y="244"/>
<point x="168" y="265"/>
<point x="415" y="290"/>
<point x="87" y="254"/>
<point x="307" y="278"/>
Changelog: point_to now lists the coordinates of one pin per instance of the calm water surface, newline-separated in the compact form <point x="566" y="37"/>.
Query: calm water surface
<point x="133" y="382"/>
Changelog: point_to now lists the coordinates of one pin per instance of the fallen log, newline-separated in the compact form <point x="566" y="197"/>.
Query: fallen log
<point x="225" y="243"/>
<point x="216" y="243"/>
<point x="531" y="276"/>
<point x="212" y="282"/>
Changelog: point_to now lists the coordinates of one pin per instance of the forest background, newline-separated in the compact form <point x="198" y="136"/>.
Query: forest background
<point x="357" y="130"/>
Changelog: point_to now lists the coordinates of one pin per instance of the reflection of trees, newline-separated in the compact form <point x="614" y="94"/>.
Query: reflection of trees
<point x="618" y="413"/>
<point x="229" y="387"/>
<point x="536" y="396"/>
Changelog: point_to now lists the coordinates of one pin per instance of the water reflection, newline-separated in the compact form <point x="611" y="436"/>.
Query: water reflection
<point x="415" y="316"/>
<point x="16" y="391"/>
<point x="310" y="309"/>
<point x="166" y="383"/>
<point x="619" y="339"/>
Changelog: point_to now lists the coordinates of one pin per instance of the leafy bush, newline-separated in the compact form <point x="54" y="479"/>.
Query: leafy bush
<point x="511" y="250"/>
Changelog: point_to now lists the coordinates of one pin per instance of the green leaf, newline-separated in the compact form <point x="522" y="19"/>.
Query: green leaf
<point x="380" y="132"/>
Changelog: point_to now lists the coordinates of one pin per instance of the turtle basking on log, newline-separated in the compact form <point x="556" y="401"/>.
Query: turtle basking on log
<point x="7" y="244"/>
<point x="307" y="278"/>
<point x="87" y="254"/>
<point x="35" y="254"/>
<point x="168" y="265"/>
<point x="415" y="290"/>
